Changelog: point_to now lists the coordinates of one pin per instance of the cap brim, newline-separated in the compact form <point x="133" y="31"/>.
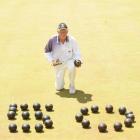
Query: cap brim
<point x="62" y="29"/>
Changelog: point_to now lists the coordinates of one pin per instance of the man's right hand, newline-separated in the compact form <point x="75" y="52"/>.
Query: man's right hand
<point x="56" y="62"/>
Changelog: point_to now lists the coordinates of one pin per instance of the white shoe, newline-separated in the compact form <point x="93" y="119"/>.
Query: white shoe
<point x="72" y="90"/>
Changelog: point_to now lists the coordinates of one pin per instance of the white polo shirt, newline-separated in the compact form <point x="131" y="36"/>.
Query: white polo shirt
<point x="56" y="50"/>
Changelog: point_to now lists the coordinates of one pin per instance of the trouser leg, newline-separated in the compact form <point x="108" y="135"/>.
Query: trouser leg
<point x="72" y="72"/>
<point x="59" y="81"/>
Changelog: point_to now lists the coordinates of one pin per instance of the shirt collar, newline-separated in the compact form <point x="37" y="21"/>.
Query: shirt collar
<point x="58" y="40"/>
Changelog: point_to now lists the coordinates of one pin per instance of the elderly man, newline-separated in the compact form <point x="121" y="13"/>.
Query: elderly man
<point x="63" y="52"/>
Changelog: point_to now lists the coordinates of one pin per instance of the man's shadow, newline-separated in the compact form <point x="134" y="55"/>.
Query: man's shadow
<point x="80" y="95"/>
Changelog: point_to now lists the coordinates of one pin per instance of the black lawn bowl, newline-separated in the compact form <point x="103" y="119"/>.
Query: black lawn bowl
<point x="128" y="112"/>
<point x="94" y="109"/>
<point x="36" y="106"/>
<point x="131" y="116"/>
<point x="12" y="108"/>
<point x="24" y="107"/>
<point x="117" y="126"/>
<point x="122" y="110"/>
<point x="109" y="108"/>
<point x="13" y="128"/>
<point x="48" y="123"/>
<point x="46" y="117"/>
<point x="86" y="123"/>
<point x="49" y="107"/>
<point x="11" y="115"/>
<point x="38" y="115"/>
<point x="79" y="117"/>
<point x="25" y="115"/>
<point x="26" y="128"/>
<point x="128" y="122"/>
<point x="14" y="105"/>
<point x="102" y="127"/>
<point x="39" y="128"/>
<point x="84" y="110"/>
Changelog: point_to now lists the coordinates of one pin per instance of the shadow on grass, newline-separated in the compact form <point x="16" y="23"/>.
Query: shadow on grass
<point x="28" y="119"/>
<point x="96" y="113"/>
<point x="28" y="132"/>
<point x="131" y="126"/>
<point x="14" y="131"/>
<point x="104" y="132"/>
<point x="111" y="113"/>
<point x="50" y="128"/>
<point x="87" y="127"/>
<point x="120" y="131"/>
<point x="40" y="132"/>
<point x="80" y="95"/>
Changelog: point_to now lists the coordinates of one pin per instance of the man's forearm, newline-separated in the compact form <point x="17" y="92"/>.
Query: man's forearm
<point x="77" y="55"/>
<point x="48" y="56"/>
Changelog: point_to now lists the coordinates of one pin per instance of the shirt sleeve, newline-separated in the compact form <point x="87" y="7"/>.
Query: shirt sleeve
<point x="76" y="51"/>
<point x="48" y="56"/>
<point x="48" y="47"/>
<point x="48" y="51"/>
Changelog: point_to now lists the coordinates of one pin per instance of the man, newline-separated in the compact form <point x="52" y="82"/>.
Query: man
<point x="63" y="52"/>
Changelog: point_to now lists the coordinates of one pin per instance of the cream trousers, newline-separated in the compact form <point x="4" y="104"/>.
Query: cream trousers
<point x="60" y="73"/>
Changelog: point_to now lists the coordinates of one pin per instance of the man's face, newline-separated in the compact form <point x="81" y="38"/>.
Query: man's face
<point x="63" y="34"/>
